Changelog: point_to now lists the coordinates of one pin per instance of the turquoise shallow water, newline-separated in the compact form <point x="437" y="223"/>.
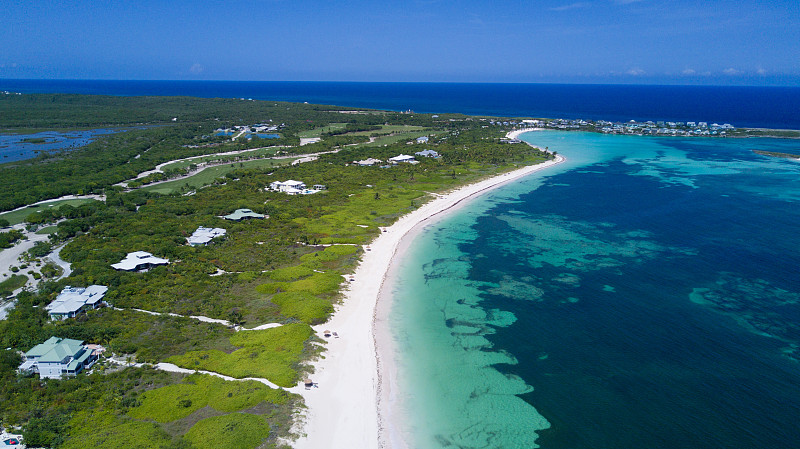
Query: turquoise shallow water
<point x="643" y="294"/>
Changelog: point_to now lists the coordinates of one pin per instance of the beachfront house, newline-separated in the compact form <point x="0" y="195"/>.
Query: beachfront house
<point x="427" y="153"/>
<point x="59" y="357"/>
<point x="139" y="261"/>
<point x="243" y="214"/>
<point x="204" y="235"/>
<point x="74" y="300"/>
<point x="403" y="158"/>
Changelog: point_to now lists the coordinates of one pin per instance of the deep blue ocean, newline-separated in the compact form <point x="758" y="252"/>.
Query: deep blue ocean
<point x="768" y="107"/>
<point x="644" y="294"/>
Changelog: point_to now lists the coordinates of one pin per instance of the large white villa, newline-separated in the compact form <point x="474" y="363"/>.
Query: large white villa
<point x="139" y="260"/>
<point x="59" y="357"/>
<point x="292" y="187"/>
<point x="74" y="300"/>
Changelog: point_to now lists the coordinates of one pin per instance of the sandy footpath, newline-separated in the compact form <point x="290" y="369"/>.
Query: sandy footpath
<point x="349" y="406"/>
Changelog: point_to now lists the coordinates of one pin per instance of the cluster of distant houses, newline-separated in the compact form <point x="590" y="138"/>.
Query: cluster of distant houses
<point x="665" y="128"/>
<point x="649" y="127"/>
<point x="399" y="159"/>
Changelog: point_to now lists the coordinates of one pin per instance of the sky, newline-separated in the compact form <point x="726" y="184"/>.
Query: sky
<point x="741" y="42"/>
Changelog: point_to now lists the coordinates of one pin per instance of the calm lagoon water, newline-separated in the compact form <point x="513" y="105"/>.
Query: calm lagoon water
<point x="644" y="294"/>
<point x="18" y="147"/>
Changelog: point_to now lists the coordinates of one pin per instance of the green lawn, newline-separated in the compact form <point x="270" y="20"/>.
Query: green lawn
<point x="47" y="230"/>
<point x="316" y="132"/>
<point x="208" y="175"/>
<point x="19" y="216"/>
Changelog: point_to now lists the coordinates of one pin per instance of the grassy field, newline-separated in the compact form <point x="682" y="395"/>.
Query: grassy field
<point x="269" y="354"/>
<point x="390" y="139"/>
<point x="18" y="216"/>
<point x="208" y="175"/>
<point x="14" y="282"/>
<point x="47" y="230"/>
<point x="174" y="402"/>
<point x="316" y="132"/>
<point x="388" y="129"/>
<point x="260" y="152"/>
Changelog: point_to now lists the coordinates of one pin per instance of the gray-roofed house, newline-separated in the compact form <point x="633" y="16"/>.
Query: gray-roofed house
<point x="58" y="357"/>
<point x="139" y="260"/>
<point x="204" y="235"/>
<point x="74" y="300"/>
<point x="241" y="214"/>
<point x="427" y="153"/>
<point x="423" y="139"/>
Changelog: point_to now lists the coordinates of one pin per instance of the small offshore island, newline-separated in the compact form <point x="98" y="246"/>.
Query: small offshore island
<point x="241" y="248"/>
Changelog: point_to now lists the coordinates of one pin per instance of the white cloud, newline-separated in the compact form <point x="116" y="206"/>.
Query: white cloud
<point x="761" y="71"/>
<point x="625" y="2"/>
<point x="731" y="71"/>
<point x="688" y="71"/>
<point x="636" y="71"/>
<point x="196" y="68"/>
<point x="571" y="6"/>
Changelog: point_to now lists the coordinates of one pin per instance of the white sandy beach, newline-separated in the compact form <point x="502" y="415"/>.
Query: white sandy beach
<point x="350" y="407"/>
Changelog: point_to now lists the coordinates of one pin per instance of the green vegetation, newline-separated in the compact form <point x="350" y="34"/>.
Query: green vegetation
<point x="285" y="269"/>
<point x="174" y="402"/>
<point x="317" y="132"/>
<point x="233" y="431"/>
<point x="270" y="354"/>
<point x="7" y="239"/>
<point x="303" y="306"/>
<point x="14" y="282"/>
<point x="19" y="216"/>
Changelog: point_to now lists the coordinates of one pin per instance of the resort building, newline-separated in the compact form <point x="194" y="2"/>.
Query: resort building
<point x="74" y="300"/>
<point x="59" y="357"/>
<point x="242" y="214"/>
<point x="204" y="235"/>
<point x="427" y="153"/>
<point x="139" y="261"/>
<point x="404" y="158"/>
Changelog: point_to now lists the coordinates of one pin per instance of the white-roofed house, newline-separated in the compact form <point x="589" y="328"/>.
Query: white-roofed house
<point x="74" y="300"/>
<point x="139" y="260"/>
<point x="405" y="158"/>
<point x="204" y="235"/>
<point x="287" y="186"/>
<point x="423" y="139"/>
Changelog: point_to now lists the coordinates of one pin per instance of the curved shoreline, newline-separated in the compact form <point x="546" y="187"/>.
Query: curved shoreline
<point x="351" y="407"/>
